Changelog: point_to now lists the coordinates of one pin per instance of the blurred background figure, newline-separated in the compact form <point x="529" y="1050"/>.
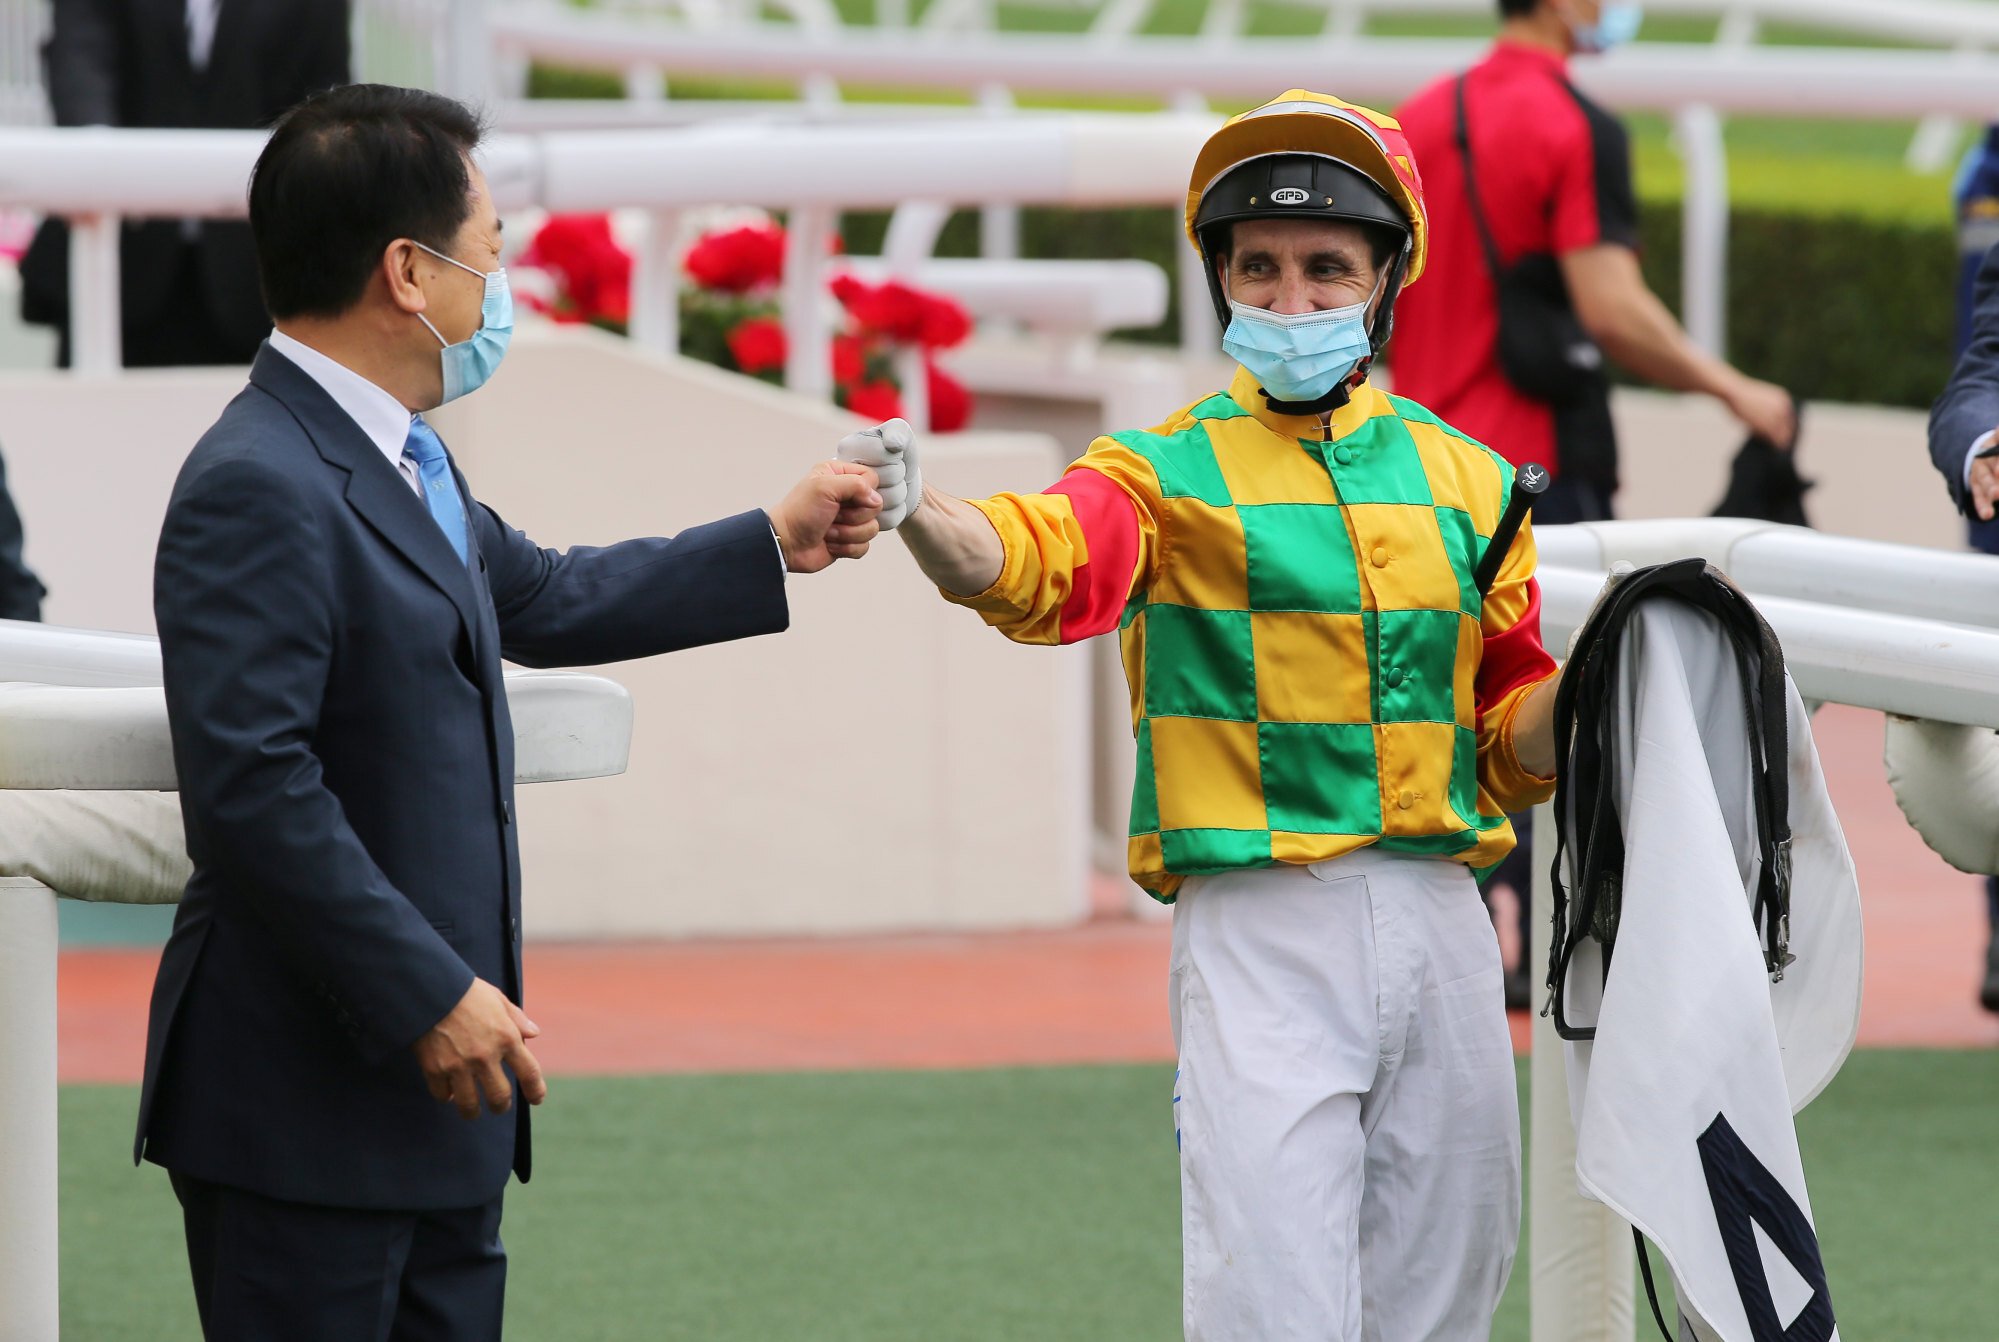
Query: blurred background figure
<point x="1963" y="422"/>
<point x="1544" y="175"/>
<point x="1534" y="212"/>
<point x="188" y="287"/>
<point x="1975" y="196"/>
<point x="21" y="592"/>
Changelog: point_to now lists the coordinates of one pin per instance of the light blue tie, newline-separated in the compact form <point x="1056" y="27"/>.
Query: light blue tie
<point x="440" y="491"/>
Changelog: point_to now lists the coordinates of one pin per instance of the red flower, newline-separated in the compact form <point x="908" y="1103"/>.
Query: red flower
<point x="897" y="312"/>
<point x="850" y="360"/>
<point x="891" y="310"/>
<point x="593" y="273"/>
<point x="875" y="400"/>
<point x="738" y="260"/>
<point x="846" y="288"/>
<point x="758" y="345"/>
<point x="944" y="323"/>
<point x="950" y="403"/>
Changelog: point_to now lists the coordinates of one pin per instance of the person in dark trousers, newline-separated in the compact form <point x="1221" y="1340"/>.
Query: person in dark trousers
<point x="337" y="1036"/>
<point x="187" y="287"/>
<point x="21" y="592"/>
<point x="1963" y="421"/>
<point x="1553" y="194"/>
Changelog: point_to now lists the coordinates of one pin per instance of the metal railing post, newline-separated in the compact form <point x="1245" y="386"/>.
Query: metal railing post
<point x="1704" y="214"/>
<point x="29" y="1307"/>
<point x="466" y="71"/>
<point x="1579" y="1280"/>
<point x="808" y="363"/>
<point x="913" y="373"/>
<point x="96" y="341"/>
<point x="1198" y="336"/>
<point x="999" y="225"/>
<point x="656" y="284"/>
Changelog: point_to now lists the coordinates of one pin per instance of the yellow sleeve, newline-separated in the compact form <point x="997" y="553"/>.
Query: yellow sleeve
<point x="1076" y="553"/>
<point x="1501" y="780"/>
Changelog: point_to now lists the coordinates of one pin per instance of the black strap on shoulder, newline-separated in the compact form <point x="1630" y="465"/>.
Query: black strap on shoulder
<point x="1485" y="242"/>
<point x="1585" y="803"/>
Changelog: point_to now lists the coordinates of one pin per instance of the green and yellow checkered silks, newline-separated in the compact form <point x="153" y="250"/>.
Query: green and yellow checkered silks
<point x="1301" y="637"/>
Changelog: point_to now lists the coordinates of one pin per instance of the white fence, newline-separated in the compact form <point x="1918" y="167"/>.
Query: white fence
<point x="1895" y="628"/>
<point x="100" y="723"/>
<point x="997" y="161"/>
<point x="481" y="50"/>
<point x="1693" y="83"/>
<point x="96" y="175"/>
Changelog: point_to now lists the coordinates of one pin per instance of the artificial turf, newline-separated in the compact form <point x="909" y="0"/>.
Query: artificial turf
<point x="1021" y="1205"/>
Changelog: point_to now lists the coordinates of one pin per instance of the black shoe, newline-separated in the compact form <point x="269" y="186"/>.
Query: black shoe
<point x="1988" y="992"/>
<point x="1520" y="992"/>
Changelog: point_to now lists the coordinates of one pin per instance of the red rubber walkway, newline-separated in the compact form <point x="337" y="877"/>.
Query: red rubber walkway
<point x="1095" y="993"/>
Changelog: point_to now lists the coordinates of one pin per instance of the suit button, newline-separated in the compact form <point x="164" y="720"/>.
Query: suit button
<point x="1343" y="456"/>
<point x="506" y="813"/>
<point x="1406" y="800"/>
<point x="1379" y="557"/>
<point x="514" y="930"/>
<point x="1396" y="677"/>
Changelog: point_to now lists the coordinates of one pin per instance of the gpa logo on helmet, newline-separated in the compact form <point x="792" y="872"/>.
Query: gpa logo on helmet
<point x="1290" y="195"/>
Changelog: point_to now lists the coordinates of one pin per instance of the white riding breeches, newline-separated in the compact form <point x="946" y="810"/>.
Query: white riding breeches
<point x="1346" y="1109"/>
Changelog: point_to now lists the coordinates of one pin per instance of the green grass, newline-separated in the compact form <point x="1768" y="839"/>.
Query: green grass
<point x="994" y="1205"/>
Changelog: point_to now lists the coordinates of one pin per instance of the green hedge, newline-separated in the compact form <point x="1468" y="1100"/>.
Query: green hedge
<point x="1835" y="308"/>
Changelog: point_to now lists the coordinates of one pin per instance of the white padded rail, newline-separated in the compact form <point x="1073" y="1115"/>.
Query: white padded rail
<point x="82" y="708"/>
<point x="1065" y="296"/>
<point x="566" y="726"/>
<point x="1893" y="663"/>
<point x="1794" y="562"/>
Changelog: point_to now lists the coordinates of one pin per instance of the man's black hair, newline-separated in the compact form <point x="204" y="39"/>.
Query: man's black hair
<point x="347" y="172"/>
<point x="1517" y="9"/>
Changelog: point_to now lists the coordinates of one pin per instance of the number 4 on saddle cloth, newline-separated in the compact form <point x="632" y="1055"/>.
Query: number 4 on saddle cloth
<point x="1706" y="972"/>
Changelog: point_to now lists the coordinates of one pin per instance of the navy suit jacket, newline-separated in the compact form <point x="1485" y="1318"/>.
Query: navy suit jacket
<point x="1969" y="405"/>
<point x="346" y="769"/>
<point x="126" y="64"/>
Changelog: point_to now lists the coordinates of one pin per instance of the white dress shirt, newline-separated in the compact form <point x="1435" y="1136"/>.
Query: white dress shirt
<point x="381" y="416"/>
<point x="1978" y="444"/>
<point x="201" y="16"/>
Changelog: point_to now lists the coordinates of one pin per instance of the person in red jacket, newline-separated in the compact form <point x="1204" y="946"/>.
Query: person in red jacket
<point x="1552" y="174"/>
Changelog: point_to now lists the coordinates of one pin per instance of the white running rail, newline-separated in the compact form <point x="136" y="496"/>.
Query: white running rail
<point x="1896" y="628"/>
<point x="98" y="721"/>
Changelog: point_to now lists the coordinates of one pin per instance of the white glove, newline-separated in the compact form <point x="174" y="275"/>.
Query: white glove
<point x="1619" y="571"/>
<point x="890" y="451"/>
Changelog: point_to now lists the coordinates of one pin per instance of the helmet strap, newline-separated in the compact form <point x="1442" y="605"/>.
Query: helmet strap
<point x="1341" y="393"/>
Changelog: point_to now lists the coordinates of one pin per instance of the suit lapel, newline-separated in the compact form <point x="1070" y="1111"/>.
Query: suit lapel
<point x="486" y="639"/>
<point x="374" y="490"/>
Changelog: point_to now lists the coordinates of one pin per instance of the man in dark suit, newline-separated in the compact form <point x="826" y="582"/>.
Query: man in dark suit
<point x="188" y="288"/>
<point x="343" y="983"/>
<point x="1963" y="425"/>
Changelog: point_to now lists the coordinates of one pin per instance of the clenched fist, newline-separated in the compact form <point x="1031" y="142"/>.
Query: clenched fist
<point x="890" y="449"/>
<point x="830" y="514"/>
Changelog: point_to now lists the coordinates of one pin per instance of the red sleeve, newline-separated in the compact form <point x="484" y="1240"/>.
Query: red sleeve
<point x="1512" y="657"/>
<point x="1101" y="585"/>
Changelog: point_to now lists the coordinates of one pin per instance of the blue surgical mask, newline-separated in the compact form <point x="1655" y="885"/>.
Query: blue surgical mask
<point x="469" y="363"/>
<point x="1617" y="22"/>
<point x="1301" y="357"/>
